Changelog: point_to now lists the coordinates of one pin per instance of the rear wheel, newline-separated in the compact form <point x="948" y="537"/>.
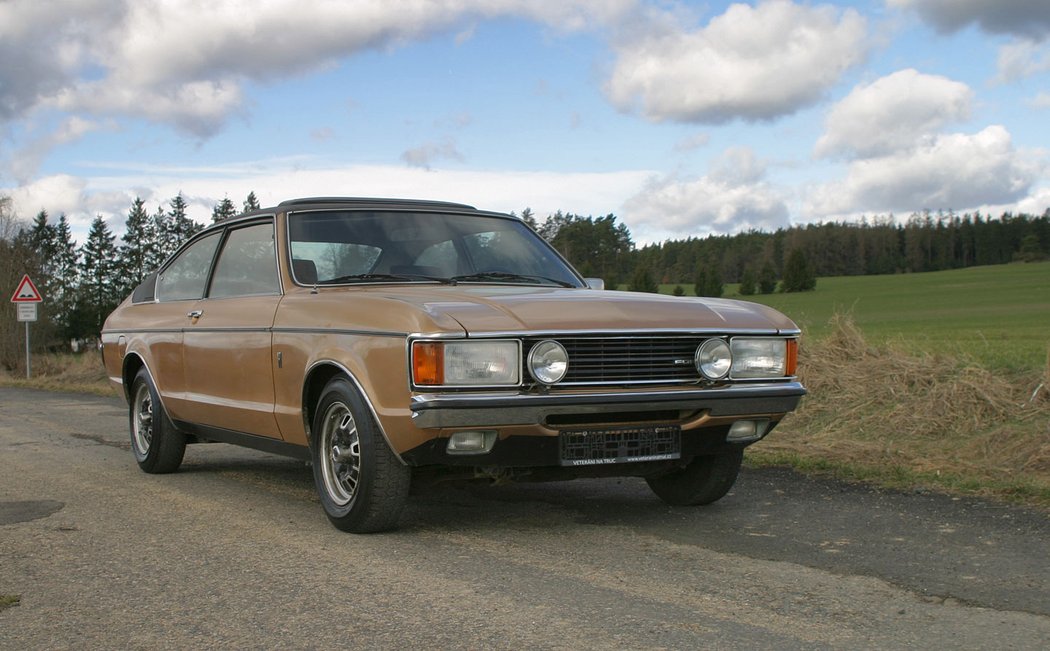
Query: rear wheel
<point x="704" y="480"/>
<point x="157" y="445"/>
<point x="363" y="487"/>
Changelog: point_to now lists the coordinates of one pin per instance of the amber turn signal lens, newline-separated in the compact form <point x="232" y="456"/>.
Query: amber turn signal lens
<point x="792" y="357"/>
<point x="428" y="364"/>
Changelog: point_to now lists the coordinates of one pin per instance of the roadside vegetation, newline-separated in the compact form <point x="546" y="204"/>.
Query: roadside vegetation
<point x="888" y="414"/>
<point x="77" y="373"/>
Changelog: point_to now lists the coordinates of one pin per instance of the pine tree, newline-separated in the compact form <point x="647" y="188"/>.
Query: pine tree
<point x="251" y="203"/>
<point x="183" y="228"/>
<point x="138" y="247"/>
<point x="700" y="280"/>
<point x="707" y="281"/>
<point x="642" y="281"/>
<point x="529" y="218"/>
<point x="714" y="286"/>
<point x="98" y="293"/>
<point x="42" y="240"/>
<point x="749" y="282"/>
<point x="767" y="278"/>
<point x="67" y="277"/>
<point x="799" y="275"/>
<point x="223" y="210"/>
<point x="174" y="227"/>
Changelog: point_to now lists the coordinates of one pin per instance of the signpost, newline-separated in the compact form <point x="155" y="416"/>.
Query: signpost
<point x="25" y="299"/>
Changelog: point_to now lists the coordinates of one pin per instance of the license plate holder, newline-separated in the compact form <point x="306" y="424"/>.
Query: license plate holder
<point x="598" y="446"/>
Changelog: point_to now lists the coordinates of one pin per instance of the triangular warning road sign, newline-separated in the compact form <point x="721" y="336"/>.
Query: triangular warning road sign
<point x="26" y="292"/>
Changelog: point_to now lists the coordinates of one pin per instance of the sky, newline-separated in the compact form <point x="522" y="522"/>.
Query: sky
<point x="684" y="119"/>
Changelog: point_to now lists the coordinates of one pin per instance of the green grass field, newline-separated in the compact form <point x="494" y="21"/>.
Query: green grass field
<point x="999" y="315"/>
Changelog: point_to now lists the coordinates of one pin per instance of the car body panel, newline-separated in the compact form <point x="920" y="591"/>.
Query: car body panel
<point x="228" y="364"/>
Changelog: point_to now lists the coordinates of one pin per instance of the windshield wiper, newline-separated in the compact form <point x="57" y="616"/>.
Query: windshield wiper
<point x="385" y="277"/>
<point x="505" y="276"/>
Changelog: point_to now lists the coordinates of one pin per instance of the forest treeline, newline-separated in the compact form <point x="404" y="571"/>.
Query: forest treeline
<point x="872" y="246"/>
<point x="82" y="283"/>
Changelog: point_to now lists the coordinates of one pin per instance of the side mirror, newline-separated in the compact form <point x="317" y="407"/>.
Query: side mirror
<point x="595" y="283"/>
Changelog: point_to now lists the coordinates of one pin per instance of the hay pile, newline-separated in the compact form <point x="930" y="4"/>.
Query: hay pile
<point x="883" y="407"/>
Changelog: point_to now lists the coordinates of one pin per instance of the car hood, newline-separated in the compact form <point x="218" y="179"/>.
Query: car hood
<point x="490" y="309"/>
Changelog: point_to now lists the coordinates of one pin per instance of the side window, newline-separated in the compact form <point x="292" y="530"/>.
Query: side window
<point x="247" y="264"/>
<point x="186" y="277"/>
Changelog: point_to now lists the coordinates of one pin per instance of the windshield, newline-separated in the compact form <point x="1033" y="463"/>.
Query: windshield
<point x="342" y="247"/>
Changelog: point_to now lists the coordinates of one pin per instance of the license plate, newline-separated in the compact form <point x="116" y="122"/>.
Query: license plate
<point x="592" y="447"/>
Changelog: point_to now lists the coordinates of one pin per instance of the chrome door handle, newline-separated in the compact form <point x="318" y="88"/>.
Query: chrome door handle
<point x="196" y="314"/>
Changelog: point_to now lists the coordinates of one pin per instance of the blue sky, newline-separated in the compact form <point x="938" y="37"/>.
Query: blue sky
<point x="682" y="118"/>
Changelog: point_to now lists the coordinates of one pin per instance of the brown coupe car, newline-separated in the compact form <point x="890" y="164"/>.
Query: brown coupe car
<point x="391" y="340"/>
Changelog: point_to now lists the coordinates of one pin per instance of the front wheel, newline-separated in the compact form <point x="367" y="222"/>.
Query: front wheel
<point x="157" y="444"/>
<point x="704" y="480"/>
<point x="363" y="487"/>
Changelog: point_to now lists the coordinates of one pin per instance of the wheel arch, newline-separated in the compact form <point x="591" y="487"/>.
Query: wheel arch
<point x="318" y="376"/>
<point x="132" y="364"/>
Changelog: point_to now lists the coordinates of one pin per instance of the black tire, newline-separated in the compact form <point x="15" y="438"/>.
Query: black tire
<point x="157" y="445"/>
<point x="363" y="487"/>
<point x="705" y="480"/>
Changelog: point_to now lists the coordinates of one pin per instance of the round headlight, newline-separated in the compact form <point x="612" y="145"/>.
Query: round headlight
<point x="548" y="362"/>
<point x="713" y="359"/>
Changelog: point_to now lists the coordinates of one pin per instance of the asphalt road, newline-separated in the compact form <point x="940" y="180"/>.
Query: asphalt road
<point x="233" y="551"/>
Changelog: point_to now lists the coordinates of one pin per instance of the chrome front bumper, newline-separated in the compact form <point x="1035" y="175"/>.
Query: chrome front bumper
<point x="491" y="409"/>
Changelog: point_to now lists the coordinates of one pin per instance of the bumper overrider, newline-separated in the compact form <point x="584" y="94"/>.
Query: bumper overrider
<point x="529" y="429"/>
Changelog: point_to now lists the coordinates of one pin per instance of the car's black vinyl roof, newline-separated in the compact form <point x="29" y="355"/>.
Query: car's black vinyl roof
<point x="353" y="203"/>
<point x="367" y="202"/>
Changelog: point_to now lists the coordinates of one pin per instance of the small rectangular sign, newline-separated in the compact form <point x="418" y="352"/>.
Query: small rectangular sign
<point x="26" y="311"/>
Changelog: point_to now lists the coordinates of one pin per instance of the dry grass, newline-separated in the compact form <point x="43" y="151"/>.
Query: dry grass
<point x="81" y="373"/>
<point x="884" y="414"/>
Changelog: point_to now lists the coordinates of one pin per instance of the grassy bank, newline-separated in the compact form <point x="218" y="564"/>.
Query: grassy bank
<point x="998" y="315"/>
<point x="81" y="373"/>
<point x="885" y="414"/>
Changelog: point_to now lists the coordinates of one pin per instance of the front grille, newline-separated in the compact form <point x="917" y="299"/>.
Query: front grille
<point x="628" y="360"/>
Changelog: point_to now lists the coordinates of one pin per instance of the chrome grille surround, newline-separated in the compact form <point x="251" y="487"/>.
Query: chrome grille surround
<point x="628" y="359"/>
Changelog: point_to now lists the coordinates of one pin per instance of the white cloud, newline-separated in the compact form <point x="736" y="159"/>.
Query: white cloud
<point x="197" y="107"/>
<point x="427" y="153"/>
<point x="1027" y="18"/>
<point x="751" y="63"/>
<point x="893" y="113"/>
<point x="25" y="162"/>
<point x="951" y="171"/>
<point x="46" y="45"/>
<point x="276" y="180"/>
<point x="1040" y="101"/>
<point x="1028" y="21"/>
<point x="56" y="194"/>
<point x="1022" y="59"/>
<point x="183" y="62"/>
<point x="732" y="198"/>
<point x="692" y="143"/>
